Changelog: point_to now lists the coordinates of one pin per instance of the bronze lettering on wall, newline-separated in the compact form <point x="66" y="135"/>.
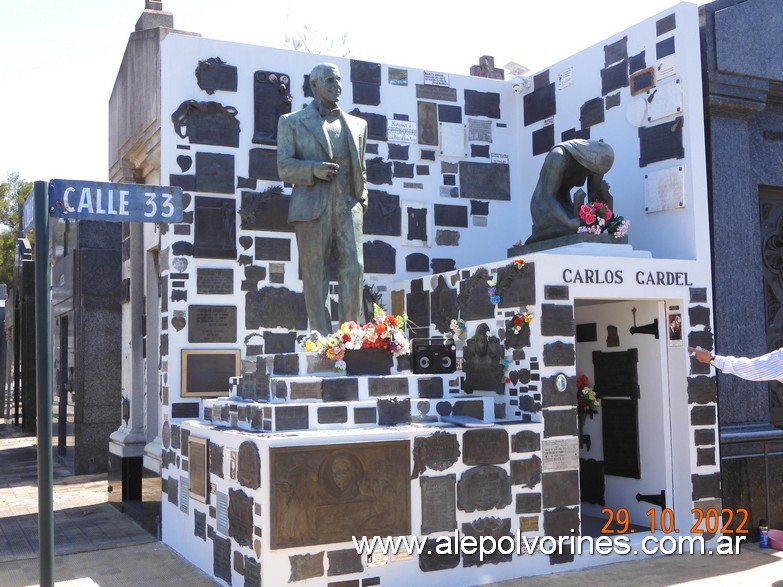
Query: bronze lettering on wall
<point x="329" y="493"/>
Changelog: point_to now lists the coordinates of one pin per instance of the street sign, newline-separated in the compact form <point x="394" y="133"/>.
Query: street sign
<point x="114" y="202"/>
<point x="28" y="213"/>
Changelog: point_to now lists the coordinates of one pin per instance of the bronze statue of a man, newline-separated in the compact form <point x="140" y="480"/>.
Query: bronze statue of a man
<point x="567" y="165"/>
<point x="321" y="152"/>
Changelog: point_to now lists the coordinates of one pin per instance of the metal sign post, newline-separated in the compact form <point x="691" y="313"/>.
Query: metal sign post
<point x="74" y="200"/>
<point x="43" y="369"/>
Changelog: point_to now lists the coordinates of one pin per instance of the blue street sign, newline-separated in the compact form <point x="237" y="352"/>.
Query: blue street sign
<point x="114" y="202"/>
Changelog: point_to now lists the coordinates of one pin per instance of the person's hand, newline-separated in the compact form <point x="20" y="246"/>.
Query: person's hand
<point x="326" y="171"/>
<point x="701" y="355"/>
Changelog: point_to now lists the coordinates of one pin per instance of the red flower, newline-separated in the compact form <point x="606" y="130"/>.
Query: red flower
<point x="589" y="219"/>
<point x="608" y="214"/>
<point x="581" y="382"/>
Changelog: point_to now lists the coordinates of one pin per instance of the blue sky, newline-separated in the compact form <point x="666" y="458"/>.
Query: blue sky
<point x="60" y="57"/>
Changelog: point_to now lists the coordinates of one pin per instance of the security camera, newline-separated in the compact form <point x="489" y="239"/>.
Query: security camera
<point x="517" y="88"/>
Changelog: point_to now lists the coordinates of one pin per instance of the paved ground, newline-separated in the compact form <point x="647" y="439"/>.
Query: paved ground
<point x="97" y="545"/>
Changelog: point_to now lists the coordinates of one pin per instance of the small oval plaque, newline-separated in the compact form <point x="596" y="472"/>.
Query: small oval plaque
<point x="561" y="382"/>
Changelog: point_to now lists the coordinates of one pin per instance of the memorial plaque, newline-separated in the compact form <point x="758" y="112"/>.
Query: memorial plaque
<point x="206" y="373"/>
<point x="560" y="488"/>
<point x="473" y="301"/>
<point x="387" y="386"/>
<point x="430" y="388"/>
<point x="540" y="104"/>
<point x="271" y="99"/>
<point x="306" y="566"/>
<point x="516" y="287"/>
<point x="198" y="469"/>
<point x="614" y="77"/>
<point x="221" y="558"/>
<point x="664" y="189"/>
<point x="559" y="354"/>
<point x="616" y="373"/>
<point x="428" y="92"/>
<point x="252" y="572"/>
<point x="344" y="562"/>
<point x="494" y="527"/>
<point x="200" y="524"/>
<point x="240" y="517"/>
<point x="207" y="123"/>
<point x="432" y="560"/>
<point x="215" y="227"/>
<point x="526" y="441"/>
<point x="483" y="488"/>
<point x="328" y="493"/>
<point x="305" y="390"/>
<point x="215" y="459"/>
<point x="394" y="411"/>
<point x="485" y="447"/>
<point x="272" y="307"/>
<point x="249" y="465"/>
<point x="528" y="503"/>
<point x="383" y="216"/>
<point x="706" y="486"/>
<point x="561" y="454"/>
<point x="701" y="390"/>
<point x="526" y="472"/>
<point x="487" y="181"/>
<point x="661" y="142"/>
<point x="215" y="74"/>
<point x="165" y="435"/>
<point x="428" y="123"/>
<point x="438" y="504"/>
<point x="528" y="523"/>
<point x="212" y="324"/>
<point x="482" y="362"/>
<point x="620" y="428"/>
<point x="266" y="210"/>
<point x="437" y="452"/>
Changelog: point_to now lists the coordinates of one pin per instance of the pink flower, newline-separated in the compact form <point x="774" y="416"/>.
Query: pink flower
<point x="588" y="218"/>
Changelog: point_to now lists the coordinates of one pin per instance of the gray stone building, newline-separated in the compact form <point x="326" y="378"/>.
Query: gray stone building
<point x="743" y="85"/>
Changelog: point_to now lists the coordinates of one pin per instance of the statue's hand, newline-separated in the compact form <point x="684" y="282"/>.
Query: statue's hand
<point x="326" y="171"/>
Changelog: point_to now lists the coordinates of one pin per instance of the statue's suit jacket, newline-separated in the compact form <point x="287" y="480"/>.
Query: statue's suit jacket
<point x="303" y="144"/>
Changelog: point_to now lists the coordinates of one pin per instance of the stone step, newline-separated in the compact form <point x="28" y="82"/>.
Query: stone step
<point x="344" y="415"/>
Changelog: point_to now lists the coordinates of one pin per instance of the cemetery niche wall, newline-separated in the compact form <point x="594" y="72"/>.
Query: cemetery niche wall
<point x="267" y="476"/>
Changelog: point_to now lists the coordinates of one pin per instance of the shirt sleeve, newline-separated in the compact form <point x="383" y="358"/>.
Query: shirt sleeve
<point x="764" y="368"/>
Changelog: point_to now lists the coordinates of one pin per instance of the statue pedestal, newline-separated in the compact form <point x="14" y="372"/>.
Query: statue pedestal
<point x="605" y="245"/>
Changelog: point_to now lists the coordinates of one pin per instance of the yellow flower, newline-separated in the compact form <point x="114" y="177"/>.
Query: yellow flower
<point x="310" y="346"/>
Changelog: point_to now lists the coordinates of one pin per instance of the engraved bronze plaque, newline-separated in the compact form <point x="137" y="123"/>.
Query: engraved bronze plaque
<point x="437" y="452"/>
<point x="485" y="447"/>
<point x="198" y="449"/>
<point x="329" y="493"/>
<point x="483" y="488"/>
<point x="249" y="465"/>
<point x="438" y="504"/>
<point x="212" y="324"/>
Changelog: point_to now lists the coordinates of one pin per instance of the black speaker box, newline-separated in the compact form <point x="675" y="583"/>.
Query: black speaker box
<point x="434" y="355"/>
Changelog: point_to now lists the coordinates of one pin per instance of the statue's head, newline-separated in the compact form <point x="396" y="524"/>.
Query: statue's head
<point x="325" y="84"/>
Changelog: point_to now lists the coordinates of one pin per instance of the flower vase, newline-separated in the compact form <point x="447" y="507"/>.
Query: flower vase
<point x="368" y="362"/>
<point x="584" y="439"/>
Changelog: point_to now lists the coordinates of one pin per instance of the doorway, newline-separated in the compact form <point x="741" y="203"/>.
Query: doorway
<point x="624" y="455"/>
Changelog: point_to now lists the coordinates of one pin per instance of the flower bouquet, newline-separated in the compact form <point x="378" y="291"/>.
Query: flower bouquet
<point x="383" y="332"/>
<point x="598" y="218"/>
<point x="586" y="405"/>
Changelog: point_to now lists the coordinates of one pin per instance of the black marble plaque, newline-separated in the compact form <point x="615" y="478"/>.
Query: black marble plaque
<point x="327" y="493"/>
<point x="637" y="62"/>
<point x="591" y="113"/>
<point x="449" y="113"/>
<point x="666" y="24"/>
<point x="272" y="307"/>
<point x="540" y="104"/>
<point x="249" y="465"/>
<point x="263" y="164"/>
<point x="240" y="517"/>
<point x="543" y="140"/>
<point x="516" y="287"/>
<point x="267" y="210"/>
<point x="482" y="104"/>
<point x="702" y="390"/>
<point x="494" y="527"/>
<point x="613" y="100"/>
<point x="398" y="152"/>
<point x="446" y="215"/>
<point x="438" y="504"/>
<point x="661" y="142"/>
<point x="344" y="562"/>
<point x="480" y="150"/>
<point x="386" y="386"/>
<point x="554" y="397"/>
<point x="364" y="93"/>
<point x="271" y="99"/>
<point x="221" y="558"/>
<point x="706" y="486"/>
<point x="214" y="281"/>
<point x="207" y="123"/>
<point x="332" y="414"/>
<point x="340" y="390"/>
<point x="442" y="93"/>
<point x="215" y="459"/>
<point x="704" y="436"/>
<point x="430" y="388"/>
<point x="483" y="488"/>
<point x="285" y="364"/>
<point x="614" y="77"/>
<point x="560" y="488"/>
<point x="557" y="320"/>
<point x="705" y="457"/>
<point x="417" y="224"/>
<point x="280" y="342"/>
<point x="664" y="48"/>
<point x="488" y="181"/>
<point x="272" y="249"/>
<point x="616" y="373"/>
<point x="443" y="265"/>
<point x="485" y="447"/>
<point x="215" y="74"/>
<point x="365" y="415"/>
<point x="184" y="410"/>
<point x="620" y="428"/>
<point x="200" y="524"/>
<point x="703" y="415"/>
<point x="377" y="125"/>
<point x="379" y="257"/>
<point x="215" y="228"/>
<point x="252" y="572"/>
<point x="699" y="316"/>
<point x="616" y="51"/>
<point x="291" y="418"/>
<point x="212" y="324"/>
<point x="449" y="238"/>
<point x="215" y="173"/>
<point x="383" y="216"/>
<point x="443" y="304"/>
<point x="438" y="452"/>
<point x="560" y="423"/>
<point x="482" y="363"/>
<point x="379" y="172"/>
<point x="404" y="170"/>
